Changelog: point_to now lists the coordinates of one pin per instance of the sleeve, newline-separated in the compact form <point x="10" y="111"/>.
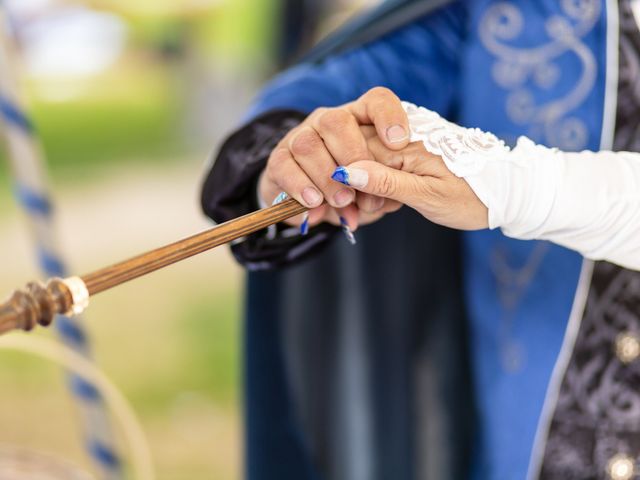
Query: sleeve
<point x="433" y="45"/>
<point x="585" y="201"/>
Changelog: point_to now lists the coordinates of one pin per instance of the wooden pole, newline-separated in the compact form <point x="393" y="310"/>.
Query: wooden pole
<point x="38" y="303"/>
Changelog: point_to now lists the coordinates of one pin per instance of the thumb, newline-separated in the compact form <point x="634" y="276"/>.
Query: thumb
<point x="382" y="108"/>
<point x="377" y="179"/>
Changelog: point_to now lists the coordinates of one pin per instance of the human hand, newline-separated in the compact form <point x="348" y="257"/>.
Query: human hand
<point x="303" y="161"/>
<point x="417" y="178"/>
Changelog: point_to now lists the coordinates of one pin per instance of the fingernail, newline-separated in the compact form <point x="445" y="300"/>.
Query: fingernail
<point x="396" y="134"/>
<point x="282" y="196"/>
<point x="343" y="198"/>
<point x="376" y="204"/>
<point x="347" y="231"/>
<point x="311" y="196"/>
<point x="304" y="226"/>
<point x="353" y="177"/>
<point x="341" y="175"/>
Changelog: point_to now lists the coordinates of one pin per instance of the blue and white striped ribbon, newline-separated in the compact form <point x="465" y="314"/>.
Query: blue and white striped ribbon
<point x="31" y="194"/>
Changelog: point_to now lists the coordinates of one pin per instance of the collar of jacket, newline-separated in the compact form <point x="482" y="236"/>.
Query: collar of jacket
<point x="366" y="27"/>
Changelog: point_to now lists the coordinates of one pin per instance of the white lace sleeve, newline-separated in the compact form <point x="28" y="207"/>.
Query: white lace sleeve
<point x="586" y="201"/>
<point x="465" y="151"/>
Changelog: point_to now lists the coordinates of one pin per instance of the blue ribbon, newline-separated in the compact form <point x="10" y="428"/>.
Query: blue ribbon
<point x="33" y="201"/>
<point x="13" y="115"/>
<point x="50" y="263"/>
<point x="83" y="389"/>
<point x="104" y="455"/>
<point x="70" y="331"/>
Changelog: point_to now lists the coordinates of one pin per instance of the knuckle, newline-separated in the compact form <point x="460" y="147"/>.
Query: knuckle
<point x="431" y="193"/>
<point x="410" y="160"/>
<point x="381" y="92"/>
<point x="396" y="161"/>
<point x="335" y="119"/>
<point x="400" y="160"/>
<point x="278" y="157"/>
<point x="271" y="176"/>
<point x="353" y="153"/>
<point x="305" y="142"/>
<point x="387" y="185"/>
<point x="319" y="111"/>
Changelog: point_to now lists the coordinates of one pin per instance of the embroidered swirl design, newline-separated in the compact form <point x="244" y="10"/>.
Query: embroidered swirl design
<point x="523" y="71"/>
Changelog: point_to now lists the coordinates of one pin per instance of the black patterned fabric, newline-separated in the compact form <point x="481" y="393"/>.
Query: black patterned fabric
<point x="597" y="415"/>
<point x="627" y="133"/>
<point x="598" y="410"/>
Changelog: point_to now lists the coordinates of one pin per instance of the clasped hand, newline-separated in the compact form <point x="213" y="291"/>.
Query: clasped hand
<point x="355" y="161"/>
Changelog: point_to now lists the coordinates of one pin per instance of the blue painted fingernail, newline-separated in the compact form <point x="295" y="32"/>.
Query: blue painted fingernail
<point x="304" y="226"/>
<point x="341" y="175"/>
<point x="282" y="196"/>
<point x="347" y="231"/>
<point x="354" y="177"/>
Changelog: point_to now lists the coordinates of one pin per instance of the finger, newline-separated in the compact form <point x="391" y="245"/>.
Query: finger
<point x="390" y="206"/>
<point x="341" y="135"/>
<point x="382" y="108"/>
<point x="369" y="203"/>
<point x="368" y="131"/>
<point x="350" y="214"/>
<point x="382" y="181"/>
<point x="309" y="152"/>
<point x="413" y="159"/>
<point x="344" y="140"/>
<point x="284" y="174"/>
<point x="313" y="217"/>
<point x="317" y="215"/>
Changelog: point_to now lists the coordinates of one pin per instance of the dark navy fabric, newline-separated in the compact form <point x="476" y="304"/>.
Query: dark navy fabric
<point x="275" y="448"/>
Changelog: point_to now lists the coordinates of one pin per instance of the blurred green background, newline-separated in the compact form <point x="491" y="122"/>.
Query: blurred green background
<point x="128" y="115"/>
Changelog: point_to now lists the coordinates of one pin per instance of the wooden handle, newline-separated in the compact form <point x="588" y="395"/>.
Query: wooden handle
<point x="38" y="303"/>
<point x="135" y="267"/>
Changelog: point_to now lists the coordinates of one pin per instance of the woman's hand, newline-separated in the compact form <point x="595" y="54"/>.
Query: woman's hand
<point x="415" y="177"/>
<point x="302" y="163"/>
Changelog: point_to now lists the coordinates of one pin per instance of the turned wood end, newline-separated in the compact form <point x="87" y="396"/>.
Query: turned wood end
<point x="36" y="304"/>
